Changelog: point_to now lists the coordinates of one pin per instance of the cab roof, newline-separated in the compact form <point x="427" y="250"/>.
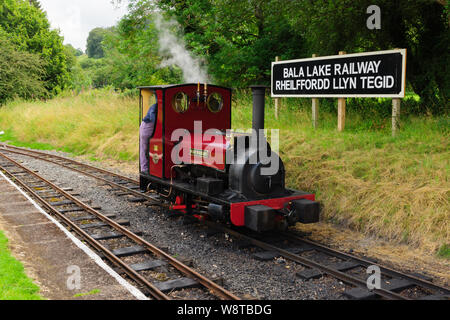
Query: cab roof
<point x="168" y="86"/>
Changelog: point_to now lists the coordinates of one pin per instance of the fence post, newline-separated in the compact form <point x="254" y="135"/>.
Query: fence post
<point x="277" y="100"/>
<point x="315" y="108"/>
<point x="395" y="115"/>
<point x="341" y="107"/>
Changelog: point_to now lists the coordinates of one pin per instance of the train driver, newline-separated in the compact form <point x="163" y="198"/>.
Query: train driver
<point x="145" y="133"/>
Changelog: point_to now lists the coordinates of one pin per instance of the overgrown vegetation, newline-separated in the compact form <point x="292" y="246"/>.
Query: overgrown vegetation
<point x="95" y="39"/>
<point x="21" y="73"/>
<point x="99" y="122"/>
<point x="25" y="25"/>
<point x="395" y="188"/>
<point x="420" y="26"/>
<point x="14" y="284"/>
<point x="240" y="39"/>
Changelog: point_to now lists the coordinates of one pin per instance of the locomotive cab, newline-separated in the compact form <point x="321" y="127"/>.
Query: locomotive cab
<point x="202" y="168"/>
<point x="190" y="108"/>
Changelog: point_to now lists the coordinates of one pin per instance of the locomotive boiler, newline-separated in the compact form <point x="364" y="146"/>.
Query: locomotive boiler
<point x="203" y="169"/>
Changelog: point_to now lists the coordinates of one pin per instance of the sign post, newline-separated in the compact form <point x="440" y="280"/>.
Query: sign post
<point x="341" y="107"/>
<point x="395" y="115"/>
<point x="315" y="108"/>
<point x="380" y="74"/>
<point x="277" y="100"/>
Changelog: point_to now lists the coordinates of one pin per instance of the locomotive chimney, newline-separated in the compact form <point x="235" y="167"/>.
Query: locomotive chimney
<point x="259" y="94"/>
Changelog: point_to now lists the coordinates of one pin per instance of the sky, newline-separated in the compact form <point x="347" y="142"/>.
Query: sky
<point x="76" y="18"/>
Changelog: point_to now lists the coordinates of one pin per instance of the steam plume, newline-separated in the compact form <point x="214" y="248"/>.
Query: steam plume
<point x="174" y="50"/>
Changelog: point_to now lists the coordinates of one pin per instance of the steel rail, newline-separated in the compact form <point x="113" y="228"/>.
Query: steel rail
<point x="7" y="147"/>
<point x="155" y="202"/>
<point x="216" y="289"/>
<point x="386" y="270"/>
<point x="109" y="182"/>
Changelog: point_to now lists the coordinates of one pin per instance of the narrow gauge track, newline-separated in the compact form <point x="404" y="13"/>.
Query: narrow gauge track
<point x="131" y="254"/>
<point x="331" y="262"/>
<point x="350" y="269"/>
<point x="398" y="281"/>
<point x="128" y="186"/>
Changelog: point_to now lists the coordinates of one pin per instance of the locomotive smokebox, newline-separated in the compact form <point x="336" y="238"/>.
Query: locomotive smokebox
<point x="259" y="95"/>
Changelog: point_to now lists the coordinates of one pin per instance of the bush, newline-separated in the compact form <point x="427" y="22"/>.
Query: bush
<point x="21" y="74"/>
<point x="27" y="27"/>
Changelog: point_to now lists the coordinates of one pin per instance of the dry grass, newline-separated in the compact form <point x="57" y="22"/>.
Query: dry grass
<point x="98" y="123"/>
<point x="393" y="188"/>
<point x="373" y="192"/>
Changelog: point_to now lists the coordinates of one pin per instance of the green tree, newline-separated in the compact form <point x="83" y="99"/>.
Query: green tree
<point x="78" y="52"/>
<point x="131" y="52"/>
<point x="94" y="42"/>
<point x="75" y="52"/>
<point x="80" y="77"/>
<point x="239" y="39"/>
<point x="35" y="3"/>
<point x="421" y="26"/>
<point x="96" y="70"/>
<point x="70" y="54"/>
<point x="20" y="73"/>
<point x="29" y="30"/>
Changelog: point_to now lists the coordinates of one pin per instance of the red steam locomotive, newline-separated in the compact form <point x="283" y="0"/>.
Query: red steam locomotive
<point x="202" y="168"/>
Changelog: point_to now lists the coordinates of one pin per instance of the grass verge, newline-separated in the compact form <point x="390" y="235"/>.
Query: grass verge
<point x="394" y="188"/>
<point x="96" y="123"/>
<point x="90" y="293"/>
<point x="14" y="284"/>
